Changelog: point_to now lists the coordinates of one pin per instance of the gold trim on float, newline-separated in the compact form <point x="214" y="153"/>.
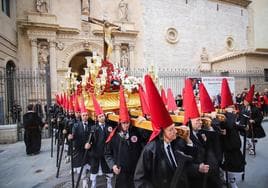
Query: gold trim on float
<point x="144" y="124"/>
<point x="110" y="101"/>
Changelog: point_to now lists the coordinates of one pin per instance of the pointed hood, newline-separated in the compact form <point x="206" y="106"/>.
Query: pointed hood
<point x="171" y="103"/>
<point x="205" y="100"/>
<point x="61" y="100"/>
<point x="226" y="96"/>
<point x="163" y="96"/>
<point x="64" y="101"/>
<point x="189" y="102"/>
<point x="143" y="101"/>
<point x="250" y="94"/>
<point x="160" y="117"/>
<point x="123" y="110"/>
<point x="57" y="99"/>
<point x="82" y="106"/>
<point x="71" y="105"/>
<point x="97" y="108"/>
<point x="67" y="103"/>
<point x="76" y="104"/>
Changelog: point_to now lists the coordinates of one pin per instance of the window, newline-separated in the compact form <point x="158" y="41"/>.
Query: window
<point x="266" y="75"/>
<point x="6" y="7"/>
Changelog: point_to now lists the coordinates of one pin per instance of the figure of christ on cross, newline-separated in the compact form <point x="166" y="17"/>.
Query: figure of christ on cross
<point x="108" y="28"/>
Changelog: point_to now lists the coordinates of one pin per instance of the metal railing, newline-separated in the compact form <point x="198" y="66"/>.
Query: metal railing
<point x="17" y="89"/>
<point x="174" y="78"/>
<point x="21" y="87"/>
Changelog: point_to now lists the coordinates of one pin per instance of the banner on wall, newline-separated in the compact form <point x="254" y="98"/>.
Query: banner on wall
<point x="213" y="85"/>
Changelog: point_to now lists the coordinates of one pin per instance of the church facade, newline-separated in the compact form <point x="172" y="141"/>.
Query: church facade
<point x="204" y="35"/>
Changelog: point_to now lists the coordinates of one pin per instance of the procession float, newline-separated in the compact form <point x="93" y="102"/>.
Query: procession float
<point x="103" y="79"/>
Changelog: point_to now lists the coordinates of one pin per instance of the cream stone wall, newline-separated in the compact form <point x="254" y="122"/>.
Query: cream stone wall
<point x="236" y="64"/>
<point x="242" y="64"/>
<point x="199" y="24"/>
<point x="257" y="62"/>
<point x="260" y="24"/>
<point x="8" y="32"/>
<point x="68" y="13"/>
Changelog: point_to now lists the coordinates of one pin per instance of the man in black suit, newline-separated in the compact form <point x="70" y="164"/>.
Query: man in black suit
<point x="205" y="164"/>
<point x="123" y="148"/>
<point x="161" y="163"/>
<point x="80" y="135"/>
<point x="99" y="165"/>
<point x="32" y="136"/>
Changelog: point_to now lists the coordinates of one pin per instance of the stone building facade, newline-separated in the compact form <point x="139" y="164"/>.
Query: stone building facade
<point x="205" y="34"/>
<point x="8" y="34"/>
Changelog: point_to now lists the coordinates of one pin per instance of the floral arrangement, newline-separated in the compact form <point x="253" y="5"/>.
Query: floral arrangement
<point x="131" y="83"/>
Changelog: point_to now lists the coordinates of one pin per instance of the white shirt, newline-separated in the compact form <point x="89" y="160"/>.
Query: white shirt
<point x="166" y="150"/>
<point x="84" y="124"/>
<point x="101" y="126"/>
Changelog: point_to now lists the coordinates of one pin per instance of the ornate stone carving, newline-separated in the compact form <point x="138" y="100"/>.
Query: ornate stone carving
<point x="204" y="59"/>
<point x="43" y="53"/>
<point x="34" y="42"/>
<point x="123" y="10"/>
<point x="87" y="45"/>
<point x="60" y="45"/>
<point x="50" y="35"/>
<point x="172" y="35"/>
<point x="204" y="56"/>
<point x="124" y="58"/>
<point x="85" y="7"/>
<point x="42" y="6"/>
<point x="75" y="48"/>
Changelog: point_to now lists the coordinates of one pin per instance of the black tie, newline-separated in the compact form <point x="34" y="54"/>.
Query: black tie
<point x="102" y="127"/>
<point x="173" y="164"/>
<point x="85" y="127"/>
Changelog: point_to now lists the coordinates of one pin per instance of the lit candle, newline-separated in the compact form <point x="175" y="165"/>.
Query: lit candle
<point x="88" y="58"/>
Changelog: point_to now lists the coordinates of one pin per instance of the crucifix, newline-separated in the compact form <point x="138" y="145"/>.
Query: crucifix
<point x="107" y="34"/>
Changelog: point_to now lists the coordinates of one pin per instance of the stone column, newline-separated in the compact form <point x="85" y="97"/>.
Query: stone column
<point x="131" y="56"/>
<point x="34" y="54"/>
<point x="53" y="67"/>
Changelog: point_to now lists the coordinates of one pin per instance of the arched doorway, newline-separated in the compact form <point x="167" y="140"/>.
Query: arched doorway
<point x="10" y="86"/>
<point x="78" y="63"/>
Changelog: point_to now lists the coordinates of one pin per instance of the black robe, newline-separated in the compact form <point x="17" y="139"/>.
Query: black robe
<point x="69" y="121"/>
<point x="97" y="150"/>
<point x="258" y="131"/>
<point x="32" y="136"/>
<point x="80" y="138"/>
<point x="154" y="170"/>
<point x="124" y="152"/>
<point x="207" y="155"/>
<point x="231" y="144"/>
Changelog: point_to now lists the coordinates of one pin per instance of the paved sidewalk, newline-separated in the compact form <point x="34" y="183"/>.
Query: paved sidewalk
<point x="39" y="171"/>
<point x="20" y="170"/>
